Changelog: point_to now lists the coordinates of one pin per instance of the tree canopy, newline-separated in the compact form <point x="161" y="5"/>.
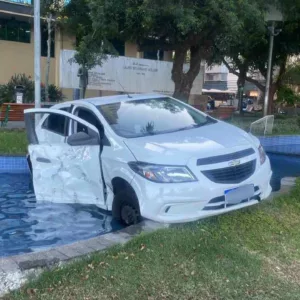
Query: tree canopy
<point x="247" y="53"/>
<point x="178" y="25"/>
<point x="230" y="31"/>
<point x="91" y="46"/>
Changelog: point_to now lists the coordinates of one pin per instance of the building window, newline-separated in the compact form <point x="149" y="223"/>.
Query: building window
<point x="154" y="55"/>
<point x="44" y="39"/>
<point x="16" y="31"/>
<point x="209" y="77"/>
<point x="30" y="2"/>
<point x="224" y="77"/>
<point x="119" y="46"/>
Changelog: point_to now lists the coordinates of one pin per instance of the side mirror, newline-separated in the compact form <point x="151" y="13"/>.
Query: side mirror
<point x="83" y="139"/>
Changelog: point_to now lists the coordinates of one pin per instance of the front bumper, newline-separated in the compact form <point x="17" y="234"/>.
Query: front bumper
<point x="185" y="202"/>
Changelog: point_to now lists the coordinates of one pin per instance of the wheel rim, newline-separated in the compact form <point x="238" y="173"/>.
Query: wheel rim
<point x="128" y="215"/>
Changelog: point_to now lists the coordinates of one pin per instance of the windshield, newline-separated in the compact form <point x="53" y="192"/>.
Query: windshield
<point x="151" y="116"/>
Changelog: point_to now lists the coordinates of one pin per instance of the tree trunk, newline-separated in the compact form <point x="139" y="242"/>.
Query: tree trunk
<point x="83" y="81"/>
<point x="49" y="20"/>
<point x="272" y="92"/>
<point x="275" y="86"/>
<point x="241" y="85"/>
<point x="184" y="81"/>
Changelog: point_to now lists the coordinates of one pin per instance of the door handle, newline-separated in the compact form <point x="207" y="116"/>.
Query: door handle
<point x="43" y="160"/>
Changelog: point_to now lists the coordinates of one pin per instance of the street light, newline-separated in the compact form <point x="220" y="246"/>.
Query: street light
<point x="273" y="15"/>
<point x="37" y="57"/>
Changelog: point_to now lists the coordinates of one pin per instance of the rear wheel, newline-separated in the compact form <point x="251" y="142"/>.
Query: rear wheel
<point x="126" y="208"/>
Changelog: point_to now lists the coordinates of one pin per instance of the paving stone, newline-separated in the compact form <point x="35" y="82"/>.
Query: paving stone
<point x="116" y="238"/>
<point x="133" y="230"/>
<point x="81" y="248"/>
<point x="68" y="251"/>
<point x="288" y="181"/>
<point x="8" y="265"/>
<point x="29" y="256"/>
<point x="38" y="259"/>
<point x="149" y="226"/>
<point x="54" y="254"/>
<point x="97" y="244"/>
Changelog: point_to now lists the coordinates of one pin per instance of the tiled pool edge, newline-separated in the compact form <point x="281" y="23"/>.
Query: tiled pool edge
<point x="16" y="270"/>
<point x="272" y="144"/>
<point x="13" y="164"/>
<point x="281" y="144"/>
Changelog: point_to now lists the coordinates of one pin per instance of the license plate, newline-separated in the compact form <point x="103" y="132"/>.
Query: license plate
<point x="236" y="195"/>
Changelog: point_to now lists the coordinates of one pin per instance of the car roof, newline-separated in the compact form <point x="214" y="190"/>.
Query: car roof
<point x="122" y="98"/>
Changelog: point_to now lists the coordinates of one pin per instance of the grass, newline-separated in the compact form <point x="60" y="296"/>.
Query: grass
<point x="249" y="254"/>
<point x="13" y="142"/>
<point x="282" y="125"/>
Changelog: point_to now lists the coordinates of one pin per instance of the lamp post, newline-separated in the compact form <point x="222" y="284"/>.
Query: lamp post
<point x="273" y="15"/>
<point x="37" y="57"/>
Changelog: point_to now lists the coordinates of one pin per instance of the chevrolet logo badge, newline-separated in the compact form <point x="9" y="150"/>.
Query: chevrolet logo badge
<point x="234" y="163"/>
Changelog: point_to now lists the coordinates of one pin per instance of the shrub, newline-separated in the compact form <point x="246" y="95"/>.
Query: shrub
<point x="298" y="121"/>
<point x="55" y="94"/>
<point x="287" y="96"/>
<point x="7" y="91"/>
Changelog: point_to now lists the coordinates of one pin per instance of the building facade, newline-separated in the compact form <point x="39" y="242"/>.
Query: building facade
<point x="218" y="77"/>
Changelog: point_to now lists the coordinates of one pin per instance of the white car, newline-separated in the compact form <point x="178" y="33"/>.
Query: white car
<point x="148" y="156"/>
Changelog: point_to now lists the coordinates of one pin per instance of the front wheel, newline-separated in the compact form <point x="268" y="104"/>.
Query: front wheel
<point x="126" y="208"/>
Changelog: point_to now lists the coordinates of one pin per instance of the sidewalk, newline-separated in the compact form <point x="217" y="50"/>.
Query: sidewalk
<point x="14" y="125"/>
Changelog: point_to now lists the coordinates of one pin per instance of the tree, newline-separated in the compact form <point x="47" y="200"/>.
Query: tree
<point x="90" y="52"/>
<point x="236" y="50"/>
<point x="292" y="74"/>
<point x="91" y="47"/>
<point x="51" y="9"/>
<point x="288" y="93"/>
<point x="181" y="26"/>
<point x="247" y="53"/>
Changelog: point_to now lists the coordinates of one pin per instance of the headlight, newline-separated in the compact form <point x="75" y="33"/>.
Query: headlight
<point x="161" y="173"/>
<point x="262" y="154"/>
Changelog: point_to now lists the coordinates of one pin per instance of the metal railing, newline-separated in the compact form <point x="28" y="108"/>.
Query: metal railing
<point x="5" y="119"/>
<point x="263" y="126"/>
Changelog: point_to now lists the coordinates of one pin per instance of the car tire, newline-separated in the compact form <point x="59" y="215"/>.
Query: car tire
<point x="126" y="208"/>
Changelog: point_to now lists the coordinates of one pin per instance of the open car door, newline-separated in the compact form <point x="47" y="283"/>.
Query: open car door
<point x="68" y="171"/>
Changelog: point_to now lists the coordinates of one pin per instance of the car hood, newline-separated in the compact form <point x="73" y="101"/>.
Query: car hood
<point x="177" y="148"/>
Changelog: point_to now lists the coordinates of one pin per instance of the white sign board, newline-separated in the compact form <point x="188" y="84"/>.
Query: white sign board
<point x="19" y="99"/>
<point x="124" y="74"/>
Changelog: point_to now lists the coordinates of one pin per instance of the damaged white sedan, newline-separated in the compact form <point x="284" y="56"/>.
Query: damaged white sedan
<point x="148" y="156"/>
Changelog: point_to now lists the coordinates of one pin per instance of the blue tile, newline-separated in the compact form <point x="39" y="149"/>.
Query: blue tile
<point x="288" y="144"/>
<point x="13" y="164"/>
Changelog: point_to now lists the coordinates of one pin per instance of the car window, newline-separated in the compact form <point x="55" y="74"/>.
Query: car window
<point x="91" y="118"/>
<point x="136" y="118"/>
<point x="56" y="123"/>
